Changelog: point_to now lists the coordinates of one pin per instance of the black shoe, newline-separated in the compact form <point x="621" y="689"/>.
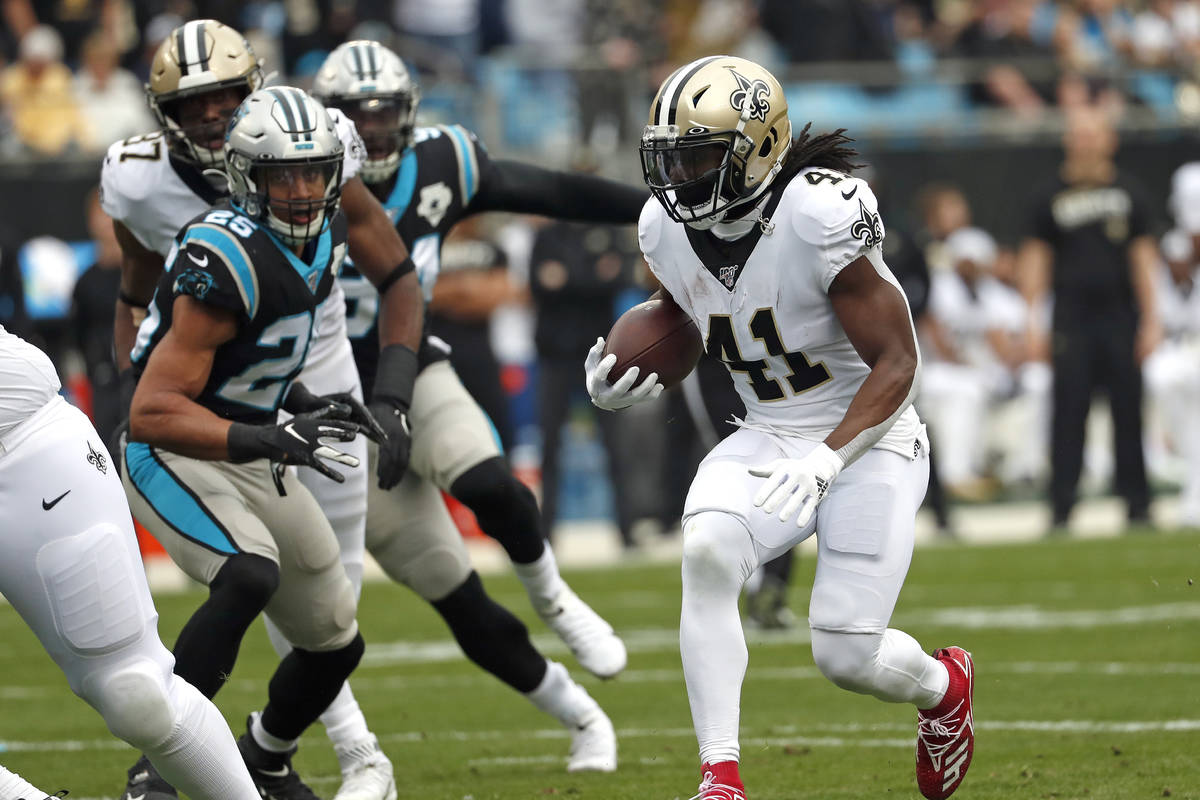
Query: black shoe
<point x="146" y="784"/>
<point x="272" y="773"/>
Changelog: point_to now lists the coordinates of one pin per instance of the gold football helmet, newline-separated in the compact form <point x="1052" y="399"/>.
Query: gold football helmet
<point x="200" y="74"/>
<point x="718" y="135"/>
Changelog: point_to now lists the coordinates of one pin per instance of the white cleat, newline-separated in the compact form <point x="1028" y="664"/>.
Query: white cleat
<point x="591" y="639"/>
<point x="366" y="773"/>
<point x="593" y="745"/>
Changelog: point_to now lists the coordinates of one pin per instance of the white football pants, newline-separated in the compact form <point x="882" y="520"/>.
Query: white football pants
<point x="1172" y="375"/>
<point x="864" y="529"/>
<point x="69" y="565"/>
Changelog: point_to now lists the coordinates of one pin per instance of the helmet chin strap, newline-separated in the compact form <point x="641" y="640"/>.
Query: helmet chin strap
<point x="293" y="234"/>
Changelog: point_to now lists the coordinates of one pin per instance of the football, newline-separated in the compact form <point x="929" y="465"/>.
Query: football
<point x="654" y="336"/>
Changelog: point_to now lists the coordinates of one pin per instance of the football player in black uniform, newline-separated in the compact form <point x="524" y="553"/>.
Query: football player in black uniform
<point x="224" y="338"/>
<point x="428" y="179"/>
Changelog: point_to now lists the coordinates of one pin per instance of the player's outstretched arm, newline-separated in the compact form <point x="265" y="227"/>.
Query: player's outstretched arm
<point x="522" y="188"/>
<point x="380" y="255"/>
<point x="164" y="412"/>
<point x="875" y="316"/>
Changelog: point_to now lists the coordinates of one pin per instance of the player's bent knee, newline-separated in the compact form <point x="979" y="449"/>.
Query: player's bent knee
<point x="251" y="579"/>
<point x="489" y="487"/>
<point x="134" y="701"/>
<point x="717" y="550"/>
<point x="436" y="573"/>
<point x="849" y="660"/>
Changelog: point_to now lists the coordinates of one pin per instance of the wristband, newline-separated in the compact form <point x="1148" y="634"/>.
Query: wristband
<point x="130" y="300"/>
<point x="396" y="372"/>
<point x="403" y="268"/>
<point x="244" y="444"/>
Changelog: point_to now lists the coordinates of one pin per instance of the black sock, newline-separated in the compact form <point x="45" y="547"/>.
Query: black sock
<point x="304" y="685"/>
<point x="491" y="636"/>
<point x="207" y="647"/>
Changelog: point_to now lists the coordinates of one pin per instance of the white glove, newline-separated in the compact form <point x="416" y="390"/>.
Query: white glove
<point x="801" y="482"/>
<point x="614" y="396"/>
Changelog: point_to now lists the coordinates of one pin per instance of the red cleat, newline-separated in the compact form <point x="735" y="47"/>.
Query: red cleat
<point x="946" y="733"/>
<point x="721" y="782"/>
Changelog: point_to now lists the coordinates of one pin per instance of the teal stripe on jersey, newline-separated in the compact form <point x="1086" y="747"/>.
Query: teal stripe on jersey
<point x="234" y="255"/>
<point x="173" y="501"/>
<point x="406" y="183"/>
<point x="466" y="159"/>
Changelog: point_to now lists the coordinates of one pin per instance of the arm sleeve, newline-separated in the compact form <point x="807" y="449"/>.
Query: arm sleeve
<point x="527" y="189"/>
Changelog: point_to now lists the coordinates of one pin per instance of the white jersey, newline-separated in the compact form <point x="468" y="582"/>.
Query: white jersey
<point x="968" y="315"/>
<point x="762" y="304"/>
<point x="28" y="381"/>
<point x="141" y="188"/>
<point x="1180" y="312"/>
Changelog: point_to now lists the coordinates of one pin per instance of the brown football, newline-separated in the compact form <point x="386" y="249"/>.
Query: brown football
<point x="655" y="336"/>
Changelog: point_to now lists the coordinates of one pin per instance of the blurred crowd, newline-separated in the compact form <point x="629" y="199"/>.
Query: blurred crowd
<point x="73" y="71"/>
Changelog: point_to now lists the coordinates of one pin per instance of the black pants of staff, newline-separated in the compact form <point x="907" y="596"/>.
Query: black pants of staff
<point x="1091" y="354"/>
<point x="559" y="381"/>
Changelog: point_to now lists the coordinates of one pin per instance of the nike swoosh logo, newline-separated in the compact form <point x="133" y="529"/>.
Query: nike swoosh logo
<point x="47" y="506"/>
<point x="274" y="773"/>
<point x="292" y="431"/>
<point x="138" y="797"/>
<point x="847" y="196"/>
<point x="199" y="262"/>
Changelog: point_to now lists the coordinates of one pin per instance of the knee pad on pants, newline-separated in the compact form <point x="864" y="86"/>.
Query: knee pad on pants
<point x="435" y="573"/>
<point x="849" y="660"/>
<point x="134" y="700"/>
<point x="717" y="551"/>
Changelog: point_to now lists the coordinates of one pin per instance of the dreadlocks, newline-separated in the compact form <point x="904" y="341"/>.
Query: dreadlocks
<point x="827" y="150"/>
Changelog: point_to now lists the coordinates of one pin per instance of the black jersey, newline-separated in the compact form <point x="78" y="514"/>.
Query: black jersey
<point x="1090" y="228"/>
<point x="227" y="260"/>
<point x="432" y="190"/>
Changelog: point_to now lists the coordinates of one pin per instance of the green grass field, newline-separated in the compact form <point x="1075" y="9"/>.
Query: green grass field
<point x="1087" y="655"/>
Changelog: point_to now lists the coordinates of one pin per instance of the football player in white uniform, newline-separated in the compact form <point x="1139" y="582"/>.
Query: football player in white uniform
<point x="773" y="249"/>
<point x="152" y="185"/>
<point x="1173" y="370"/>
<point x="72" y="570"/>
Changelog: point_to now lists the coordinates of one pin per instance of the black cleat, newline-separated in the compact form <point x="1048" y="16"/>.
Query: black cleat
<point x="272" y="773"/>
<point x="146" y="784"/>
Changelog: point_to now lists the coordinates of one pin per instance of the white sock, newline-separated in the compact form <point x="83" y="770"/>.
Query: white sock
<point x="719" y="556"/>
<point x="265" y="740"/>
<point x="563" y="698"/>
<point x="14" y="787"/>
<point x="344" y="722"/>
<point x="541" y="578"/>
<point x="200" y="757"/>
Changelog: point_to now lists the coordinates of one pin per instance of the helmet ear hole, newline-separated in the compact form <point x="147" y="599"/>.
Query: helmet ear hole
<point x="767" y="145"/>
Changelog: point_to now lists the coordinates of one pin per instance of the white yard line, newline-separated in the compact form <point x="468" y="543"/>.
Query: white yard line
<point x="839" y="734"/>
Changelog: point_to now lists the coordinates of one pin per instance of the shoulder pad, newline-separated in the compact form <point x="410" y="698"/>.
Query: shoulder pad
<point x="837" y="214"/>
<point x="128" y="172"/>
<point x="214" y="250"/>
<point x="650" y="225"/>
<point x="356" y="151"/>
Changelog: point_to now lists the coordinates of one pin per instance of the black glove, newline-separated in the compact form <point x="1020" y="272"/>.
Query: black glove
<point x="340" y="405"/>
<point x="394" y="378"/>
<point x="297" y="441"/>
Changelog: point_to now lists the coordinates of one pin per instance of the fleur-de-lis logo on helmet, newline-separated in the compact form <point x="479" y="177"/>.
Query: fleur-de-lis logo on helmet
<point x="751" y="97"/>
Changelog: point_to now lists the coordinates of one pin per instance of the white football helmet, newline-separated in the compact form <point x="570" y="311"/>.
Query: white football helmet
<point x="370" y="84"/>
<point x="718" y="135"/>
<point x="281" y="135"/>
<point x="198" y="60"/>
